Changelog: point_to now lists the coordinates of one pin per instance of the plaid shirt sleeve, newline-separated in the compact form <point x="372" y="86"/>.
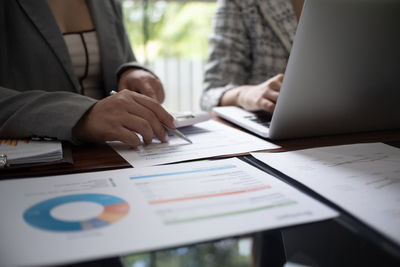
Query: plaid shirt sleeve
<point x="229" y="56"/>
<point x="244" y="49"/>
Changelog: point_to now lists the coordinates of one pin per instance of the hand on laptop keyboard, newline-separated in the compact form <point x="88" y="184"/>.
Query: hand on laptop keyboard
<point x="255" y="97"/>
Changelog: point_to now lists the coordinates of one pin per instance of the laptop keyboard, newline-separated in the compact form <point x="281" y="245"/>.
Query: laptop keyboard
<point x="260" y="117"/>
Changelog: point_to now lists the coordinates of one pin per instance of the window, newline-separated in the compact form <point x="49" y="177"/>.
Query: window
<point x="170" y="37"/>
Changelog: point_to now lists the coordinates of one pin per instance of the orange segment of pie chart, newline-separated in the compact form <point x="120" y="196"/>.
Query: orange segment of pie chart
<point x="114" y="212"/>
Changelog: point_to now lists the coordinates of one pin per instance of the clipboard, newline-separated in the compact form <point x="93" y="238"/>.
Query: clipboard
<point x="10" y="170"/>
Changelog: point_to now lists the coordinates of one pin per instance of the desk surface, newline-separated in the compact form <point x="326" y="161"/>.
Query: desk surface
<point x="99" y="157"/>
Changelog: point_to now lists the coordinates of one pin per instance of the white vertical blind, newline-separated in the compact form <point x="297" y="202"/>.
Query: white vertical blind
<point x="182" y="80"/>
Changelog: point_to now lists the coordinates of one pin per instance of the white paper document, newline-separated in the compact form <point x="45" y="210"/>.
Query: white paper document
<point x="209" y="139"/>
<point x="363" y="179"/>
<point x="69" y="218"/>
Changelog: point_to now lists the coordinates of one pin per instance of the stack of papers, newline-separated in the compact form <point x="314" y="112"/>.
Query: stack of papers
<point x="29" y="151"/>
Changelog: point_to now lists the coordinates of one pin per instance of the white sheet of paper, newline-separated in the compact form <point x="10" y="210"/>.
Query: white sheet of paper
<point x="209" y="139"/>
<point x="69" y="218"/>
<point x="364" y="179"/>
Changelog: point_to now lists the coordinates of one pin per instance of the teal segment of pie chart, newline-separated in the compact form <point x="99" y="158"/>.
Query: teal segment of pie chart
<point x="39" y="215"/>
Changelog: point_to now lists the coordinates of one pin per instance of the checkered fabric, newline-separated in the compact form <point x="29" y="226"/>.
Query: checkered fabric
<point x="250" y="43"/>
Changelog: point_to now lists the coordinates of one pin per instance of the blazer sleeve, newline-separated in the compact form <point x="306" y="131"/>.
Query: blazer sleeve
<point x="229" y="60"/>
<point x="40" y="113"/>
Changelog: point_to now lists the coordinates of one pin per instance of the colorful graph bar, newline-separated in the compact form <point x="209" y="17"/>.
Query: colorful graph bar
<point x="211" y="216"/>
<point x="183" y="172"/>
<point x="209" y="195"/>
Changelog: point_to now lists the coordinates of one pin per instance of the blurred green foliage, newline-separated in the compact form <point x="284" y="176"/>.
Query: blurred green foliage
<point x="223" y="253"/>
<point x="175" y="29"/>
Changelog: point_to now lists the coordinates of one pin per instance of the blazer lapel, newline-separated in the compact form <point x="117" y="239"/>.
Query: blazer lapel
<point x="282" y="19"/>
<point x="42" y="17"/>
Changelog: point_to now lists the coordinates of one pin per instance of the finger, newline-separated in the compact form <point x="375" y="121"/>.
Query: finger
<point x="128" y="137"/>
<point x="280" y="77"/>
<point x="162" y="115"/>
<point x="128" y="99"/>
<point x="155" y="124"/>
<point x="271" y="95"/>
<point x="116" y="132"/>
<point x="146" y="89"/>
<point x="159" y="90"/>
<point x="267" y="105"/>
<point x="147" y="126"/>
<point x="275" y="83"/>
<point x="139" y="111"/>
<point x="138" y="125"/>
<point x="131" y="115"/>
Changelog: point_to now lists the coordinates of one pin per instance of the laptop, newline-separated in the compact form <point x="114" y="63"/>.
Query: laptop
<point x="343" y="73"/>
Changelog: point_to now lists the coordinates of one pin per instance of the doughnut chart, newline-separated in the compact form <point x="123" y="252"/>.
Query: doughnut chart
<point x="39" y="215"/>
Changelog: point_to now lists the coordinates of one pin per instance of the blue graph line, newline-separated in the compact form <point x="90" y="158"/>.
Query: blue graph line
<point x="183" y="172"/>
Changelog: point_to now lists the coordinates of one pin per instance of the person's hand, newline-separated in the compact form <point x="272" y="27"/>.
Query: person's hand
<point x="122" y="115"/>
<point x="255" y="97"/>
<point x="143" y="82"/>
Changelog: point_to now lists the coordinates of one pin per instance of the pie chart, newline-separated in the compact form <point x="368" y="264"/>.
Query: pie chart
<point x="78" y="212"/>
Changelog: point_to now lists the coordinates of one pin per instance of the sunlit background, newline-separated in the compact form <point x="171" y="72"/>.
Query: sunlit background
<point x="171" y="38"/>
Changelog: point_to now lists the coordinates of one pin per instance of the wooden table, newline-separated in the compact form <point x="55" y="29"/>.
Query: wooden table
<point x="98" y="157"/>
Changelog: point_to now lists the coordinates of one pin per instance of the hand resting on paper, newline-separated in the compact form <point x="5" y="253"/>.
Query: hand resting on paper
<point x="121" y="117"/>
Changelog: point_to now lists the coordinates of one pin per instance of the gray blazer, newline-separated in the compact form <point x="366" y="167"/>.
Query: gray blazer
<point x="39" y="93"/>
<point x="250" y="43"/>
